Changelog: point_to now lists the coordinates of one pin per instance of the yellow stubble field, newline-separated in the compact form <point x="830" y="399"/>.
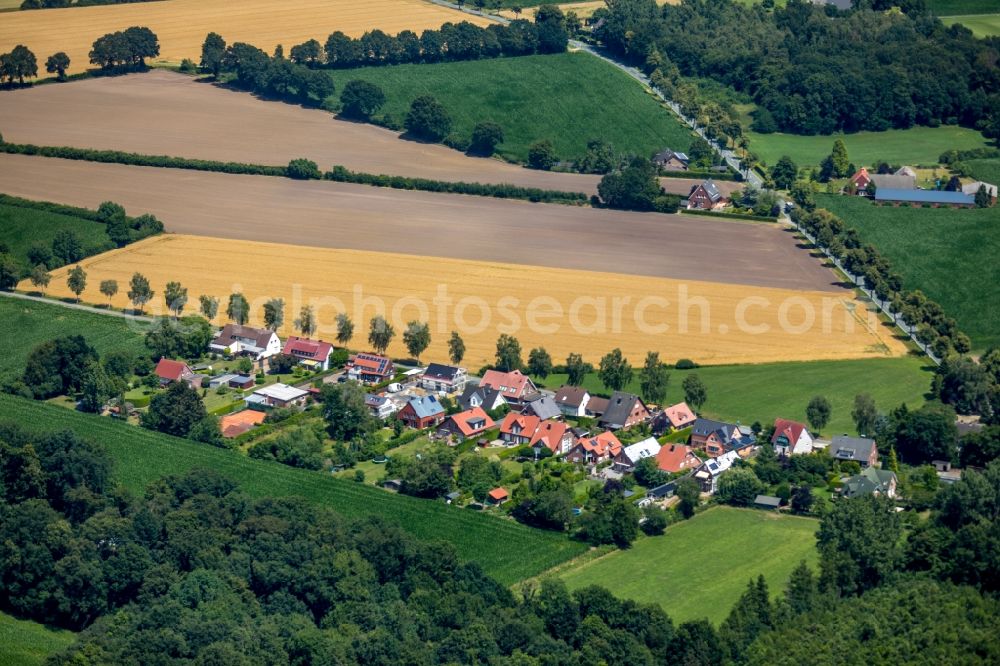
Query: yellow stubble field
<point x="181" y="25"/>
<point x="562" y="310"/>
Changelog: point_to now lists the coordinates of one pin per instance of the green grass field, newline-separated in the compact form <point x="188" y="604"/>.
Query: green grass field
<point x="26" y="643"/>
<point x="953" y="7"/>
<point x="981" y="25"/>
<point x="985" y="170"/>
<point x="20" y="228"/>
<point x="748" y="393"/>
<point x="568" y="99"/>
<point x="917" y="145"/>
<point x="507" y="550"/>
<point x="951" y="255"/>
<point x="700" y="567"/>
<point x="25" y="324"/>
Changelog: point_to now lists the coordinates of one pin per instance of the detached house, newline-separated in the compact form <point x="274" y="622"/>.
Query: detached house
<point x="674" y="417"/>
<point x="277" y="395"/>
<point x="706" y="196"/>
<point x="871" y="481"/>
<point x="515" y="387"/>
<point x="381" y="406"/>
<point x="627" y="458"/>
<point x="520" y="429"/>
<point x="598" y="448"/>
<point x="370" y="368"/>
<point x="480" y="396"/>
<point x="313" y="354"/>
<point x="791" y="438"/>
<point x="670" y="160"/>
<point x="624" y="410"/>
<point x="708" y="474"/>
<point x="176" y="371"/>
<point x="572" y="400"/>
<point x="716" y="438"/>
<point x="859" y="449"/>
<point x="467" y="424"/>
<point x="675" y="458"/>
<point x="447" y="378"/>
<point x="424" y="412"/>
<point x="257" y="343"/>
<point x="542" y="406"/>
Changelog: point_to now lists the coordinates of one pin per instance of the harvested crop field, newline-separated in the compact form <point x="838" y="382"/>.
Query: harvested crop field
<point x="563" y="310"/>
<point x="205" y="121"/>
<point x="339" y="215"/>
<point x="182" y="25"/>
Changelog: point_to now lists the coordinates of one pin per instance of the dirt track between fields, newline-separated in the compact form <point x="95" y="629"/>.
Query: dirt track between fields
<point x="163" y="113"/>
<point x="338" y="215"/>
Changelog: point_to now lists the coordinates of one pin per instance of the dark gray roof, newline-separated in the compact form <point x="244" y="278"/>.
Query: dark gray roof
<point x="487" y="396"/>
<point x="668" y="154"/>
<point x="712" y="190"/>
<point x="925" y="196"/>
<point x="894" y="181"/>
<point x="439" y="371"/>
<point x="852" y="448"/>
<point x="619" y="407"/>
<point x="543" y="407"/>
<point x="571" y="395"/>
<point x="665" y="490"/>
<point x="767" y="500"/>
<point x="870" y="481"/>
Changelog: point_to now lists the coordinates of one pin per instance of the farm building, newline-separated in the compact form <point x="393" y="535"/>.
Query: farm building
<point x="973" y="188"/>
<point x="933" y="198"/>
<point x="257" y="343"/>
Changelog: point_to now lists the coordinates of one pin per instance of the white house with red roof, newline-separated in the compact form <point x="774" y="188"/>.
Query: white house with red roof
<point x="514" y="386"/>
<point x="314" y="354"/>
<point x="791" y="438"/>
<point x="176" y="371"/>
<point x="520" y="429"/>
<point x="675" y="458"/>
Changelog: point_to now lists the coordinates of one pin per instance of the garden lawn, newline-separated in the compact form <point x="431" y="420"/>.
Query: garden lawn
<point x="914" y="146"/>
<point x="506" y="550"/>
<point x="566" y="98"/>
<point x="981" y="25"/>
<point x="26" y="643"/>
<point x="700" y="567"/>
<point x="21" y="228"/>
<point x="949" y="254"/>
<point x="763" y="392"/>
<point x="985" y="170"/>
<point x="26" y="324"/>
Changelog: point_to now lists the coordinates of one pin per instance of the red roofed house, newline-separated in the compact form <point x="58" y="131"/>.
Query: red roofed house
<point x="675" y="417"/>
<point x="514" y="386"/>
<point x="176" y="371"/>
<point x="518" y="429"/>
<point x="675" y="458"/>
<point x="861" y="179"/>
<point x="595" y="449"/>
<point x="467" y="424"/>
<point x="791" y="438"/>
<point x="498" y="496"/>
<point x="314" y="354"/>
<point x="233" y="425"/>
<point x="556" y="436"/>
<point x="370" y="368"/>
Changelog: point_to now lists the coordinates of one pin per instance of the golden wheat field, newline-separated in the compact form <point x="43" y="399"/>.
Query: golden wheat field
<point x="563" y="310"/>
<point x="182" y="25"/>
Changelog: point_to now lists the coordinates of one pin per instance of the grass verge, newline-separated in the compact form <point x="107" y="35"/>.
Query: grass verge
<point x="27" y="643"/>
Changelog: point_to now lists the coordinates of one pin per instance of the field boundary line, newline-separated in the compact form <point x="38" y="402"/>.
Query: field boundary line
<point x="76" y="306"/>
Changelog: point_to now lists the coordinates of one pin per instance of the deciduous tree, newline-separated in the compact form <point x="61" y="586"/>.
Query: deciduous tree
<point x="456" y="348"/>
<point x="139" y="292"/>
<point x="615" y="370"/>
<point x="417" y="337"/>
<point x="508" y="356"/>
<point x="238" y="309"/>
<point x="380" y="334"/>
<point x="76" y="280"/>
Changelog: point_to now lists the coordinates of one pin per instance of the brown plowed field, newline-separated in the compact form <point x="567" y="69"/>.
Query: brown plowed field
<point x="338" y="215"/>
<point x="181" y="25"/>
<point x="164" y="113"/>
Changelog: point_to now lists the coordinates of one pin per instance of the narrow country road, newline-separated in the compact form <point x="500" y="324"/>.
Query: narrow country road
<point x="75" y="306"/>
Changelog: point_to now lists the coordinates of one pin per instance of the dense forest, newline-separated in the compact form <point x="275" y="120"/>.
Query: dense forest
<point x="195" y="572"/>
<point x="813" y="70"/>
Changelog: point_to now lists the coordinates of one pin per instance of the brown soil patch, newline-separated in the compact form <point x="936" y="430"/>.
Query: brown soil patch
<point x="326" y="214"/>
<point x="164" y="113"/>
<point x="181" y="25"/>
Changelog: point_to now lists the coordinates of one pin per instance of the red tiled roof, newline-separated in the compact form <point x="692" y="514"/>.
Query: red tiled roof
<point x="676" y="457"/>
<point x="462" y="421"/>
<point x="171" y="370"/>
<point x="862" y="173"/>
<point x="605" y="443"/>
<point x="510" y="384"/>
<point x="373" y="364"/>
<point x="315" y="350"/>
<point x="792" y="430"/>
<point x="679" y="414"/>
<point x="498" y="494"/>
<point x="549" y="433"/>
<point x="527" y="423"/>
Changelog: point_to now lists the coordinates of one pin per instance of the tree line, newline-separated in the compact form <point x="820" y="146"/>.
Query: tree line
<point x="814" y="70"/>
